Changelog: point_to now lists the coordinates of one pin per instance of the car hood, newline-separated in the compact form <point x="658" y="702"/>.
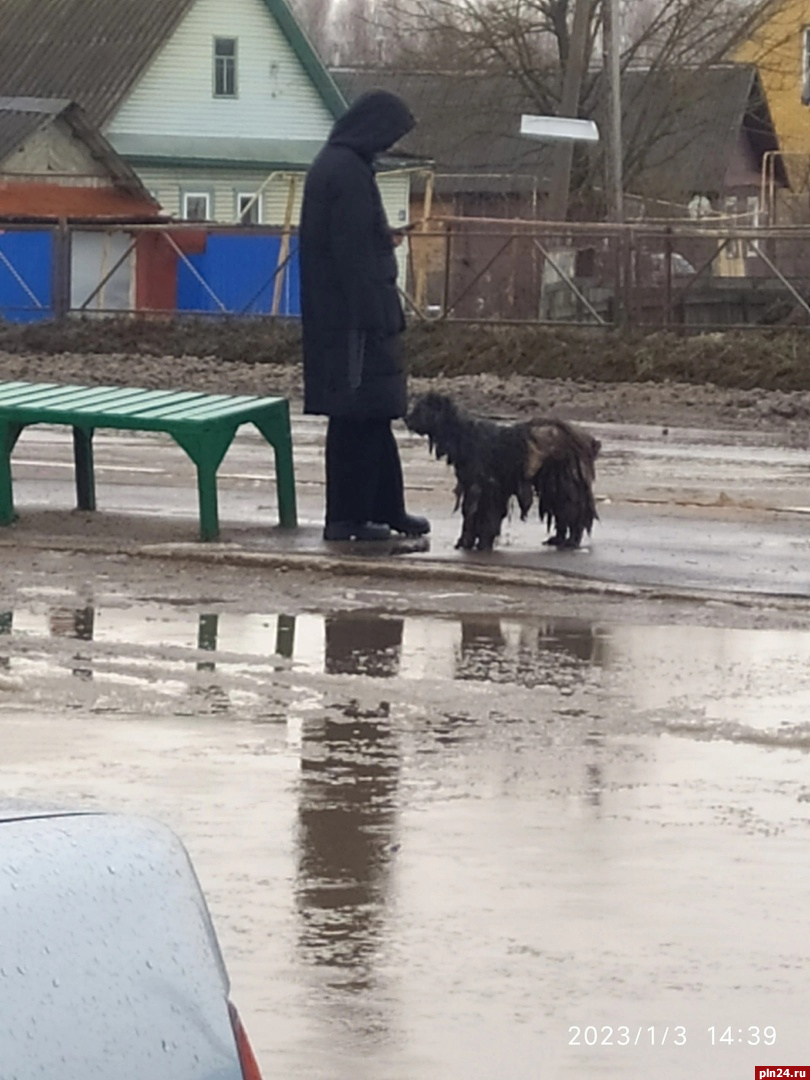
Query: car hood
<point x="109" y="964"/>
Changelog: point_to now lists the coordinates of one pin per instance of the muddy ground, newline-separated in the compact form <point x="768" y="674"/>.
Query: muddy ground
<point x="613" y="782"/>
<point x="753" y="379"/>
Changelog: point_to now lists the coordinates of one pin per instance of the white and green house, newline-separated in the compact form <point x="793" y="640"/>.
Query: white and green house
<point x="219" y="106"/>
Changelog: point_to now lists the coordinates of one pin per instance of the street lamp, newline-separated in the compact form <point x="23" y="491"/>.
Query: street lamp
<point x="556" y="128"/>
<point x="565" y="130"/>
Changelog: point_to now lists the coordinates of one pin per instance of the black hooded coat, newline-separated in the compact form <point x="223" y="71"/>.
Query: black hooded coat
<point x="351" y="313"/>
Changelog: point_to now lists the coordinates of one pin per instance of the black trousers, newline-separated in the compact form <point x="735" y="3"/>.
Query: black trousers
<point x="363" y="472"/>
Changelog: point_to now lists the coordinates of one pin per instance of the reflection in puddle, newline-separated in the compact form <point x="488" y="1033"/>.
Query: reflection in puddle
<point x="347" y="814"/>
<point x="528" y="654"/>
<point x="362" y="646"/>
<point x="6" y="618"/>
<point x="464" y="834"/>
<point x="74" y="623"/>
<point x="740" y="685"/>
<point x="471" y="648"/>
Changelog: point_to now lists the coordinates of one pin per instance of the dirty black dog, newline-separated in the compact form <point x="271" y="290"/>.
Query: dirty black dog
<point x="549" y="459"/>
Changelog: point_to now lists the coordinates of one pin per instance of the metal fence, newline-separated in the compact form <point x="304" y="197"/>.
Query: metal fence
<point x="687" y="275"/>
<point x="678" y="275"/>
<point x="50" y="272"/>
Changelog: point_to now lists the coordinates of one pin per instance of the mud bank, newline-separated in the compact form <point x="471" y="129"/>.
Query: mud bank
<point x="773" y="359"/>
<point x="753" y="379"/>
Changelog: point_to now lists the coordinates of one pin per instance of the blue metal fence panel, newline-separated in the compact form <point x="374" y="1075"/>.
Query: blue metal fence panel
<point x="239" y="272"/>
<point x="26" y="257"/>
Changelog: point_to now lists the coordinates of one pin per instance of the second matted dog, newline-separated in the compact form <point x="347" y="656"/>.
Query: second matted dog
<point x="493" y="463"/>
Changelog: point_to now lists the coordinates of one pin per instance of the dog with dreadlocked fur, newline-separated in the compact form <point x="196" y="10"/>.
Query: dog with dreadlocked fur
<point x="494" y="463"/>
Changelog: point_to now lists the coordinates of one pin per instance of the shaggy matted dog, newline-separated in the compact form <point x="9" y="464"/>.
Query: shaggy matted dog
<point x="496" y="462"/>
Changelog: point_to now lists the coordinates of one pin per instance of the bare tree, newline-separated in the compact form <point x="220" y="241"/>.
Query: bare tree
<point x="527" y="39"/>
<point x="315" y="17"/>
<point x="665" y="46"/>
<point x="664" y="43"/>
<point x="531" y="39"/>
<point x="348" y="32"/>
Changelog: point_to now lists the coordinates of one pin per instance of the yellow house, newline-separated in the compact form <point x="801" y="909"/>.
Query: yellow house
<point x="780" y="48"/>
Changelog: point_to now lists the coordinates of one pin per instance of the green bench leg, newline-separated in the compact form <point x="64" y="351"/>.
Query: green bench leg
<point x="85" y="471"/>
<point x="207" y="452"/>
<point x="285" y="483"/>
<point x="276" y="429"/>
<point x="9" y="433"/>
<point x="209" y="505"/>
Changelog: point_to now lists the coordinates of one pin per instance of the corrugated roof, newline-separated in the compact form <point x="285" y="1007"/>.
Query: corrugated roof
<point x="467" y="124"/>
<point x="681" y="128"/>
<point x="93" y="51"/>
<point x="34" y="200"/>
<point x="90" y="51"/>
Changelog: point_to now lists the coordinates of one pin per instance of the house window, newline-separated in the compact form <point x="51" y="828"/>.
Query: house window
<point x="249" y="208"/>
<point x="225" y="67"/>
<point x="196" y="206"/>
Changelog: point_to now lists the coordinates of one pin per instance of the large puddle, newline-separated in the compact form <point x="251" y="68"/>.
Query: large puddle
<point x="462" y="847"/>
<point x="750" y="684"/>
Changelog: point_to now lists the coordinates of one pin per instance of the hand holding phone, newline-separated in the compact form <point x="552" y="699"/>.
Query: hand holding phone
<point x="399" y="233"/>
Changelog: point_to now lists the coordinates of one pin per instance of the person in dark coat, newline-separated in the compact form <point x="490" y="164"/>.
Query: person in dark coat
<point x="352" y="322"/>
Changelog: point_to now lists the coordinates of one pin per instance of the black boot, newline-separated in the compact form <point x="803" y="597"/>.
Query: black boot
<point x="356" y="530"/>
<point x="411" y="525"/>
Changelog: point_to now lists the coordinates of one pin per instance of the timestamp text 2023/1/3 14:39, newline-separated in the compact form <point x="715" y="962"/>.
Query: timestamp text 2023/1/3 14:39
<point x="669" y="1035"/>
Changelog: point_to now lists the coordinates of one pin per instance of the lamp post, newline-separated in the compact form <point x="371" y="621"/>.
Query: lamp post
<point x="576" y="64"/>
<point x="611" y="39"/>
<point x="565" y="130"/>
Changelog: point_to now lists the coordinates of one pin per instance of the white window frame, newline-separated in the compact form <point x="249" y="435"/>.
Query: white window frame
<point x="257" y="210"/>
<point x="225" y="70"/>
<point x="188" y="196"/>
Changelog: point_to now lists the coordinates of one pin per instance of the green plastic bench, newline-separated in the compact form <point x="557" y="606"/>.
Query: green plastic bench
<point x="202" y="424"/>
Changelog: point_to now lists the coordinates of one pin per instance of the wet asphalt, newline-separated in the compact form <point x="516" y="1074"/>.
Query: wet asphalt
<point x="682" y="510"/>
<point x="447" y="830"/>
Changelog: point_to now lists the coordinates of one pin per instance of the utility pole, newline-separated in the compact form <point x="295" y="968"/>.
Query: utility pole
<point x="569" y="106"/>
<point x="611" y="45"/>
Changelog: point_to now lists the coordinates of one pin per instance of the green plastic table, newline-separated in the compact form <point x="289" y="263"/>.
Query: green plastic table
<point x="202" y="424"/>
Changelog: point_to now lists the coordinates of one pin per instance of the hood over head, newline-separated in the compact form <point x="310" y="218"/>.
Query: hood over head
<point x="374" y="122"/>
